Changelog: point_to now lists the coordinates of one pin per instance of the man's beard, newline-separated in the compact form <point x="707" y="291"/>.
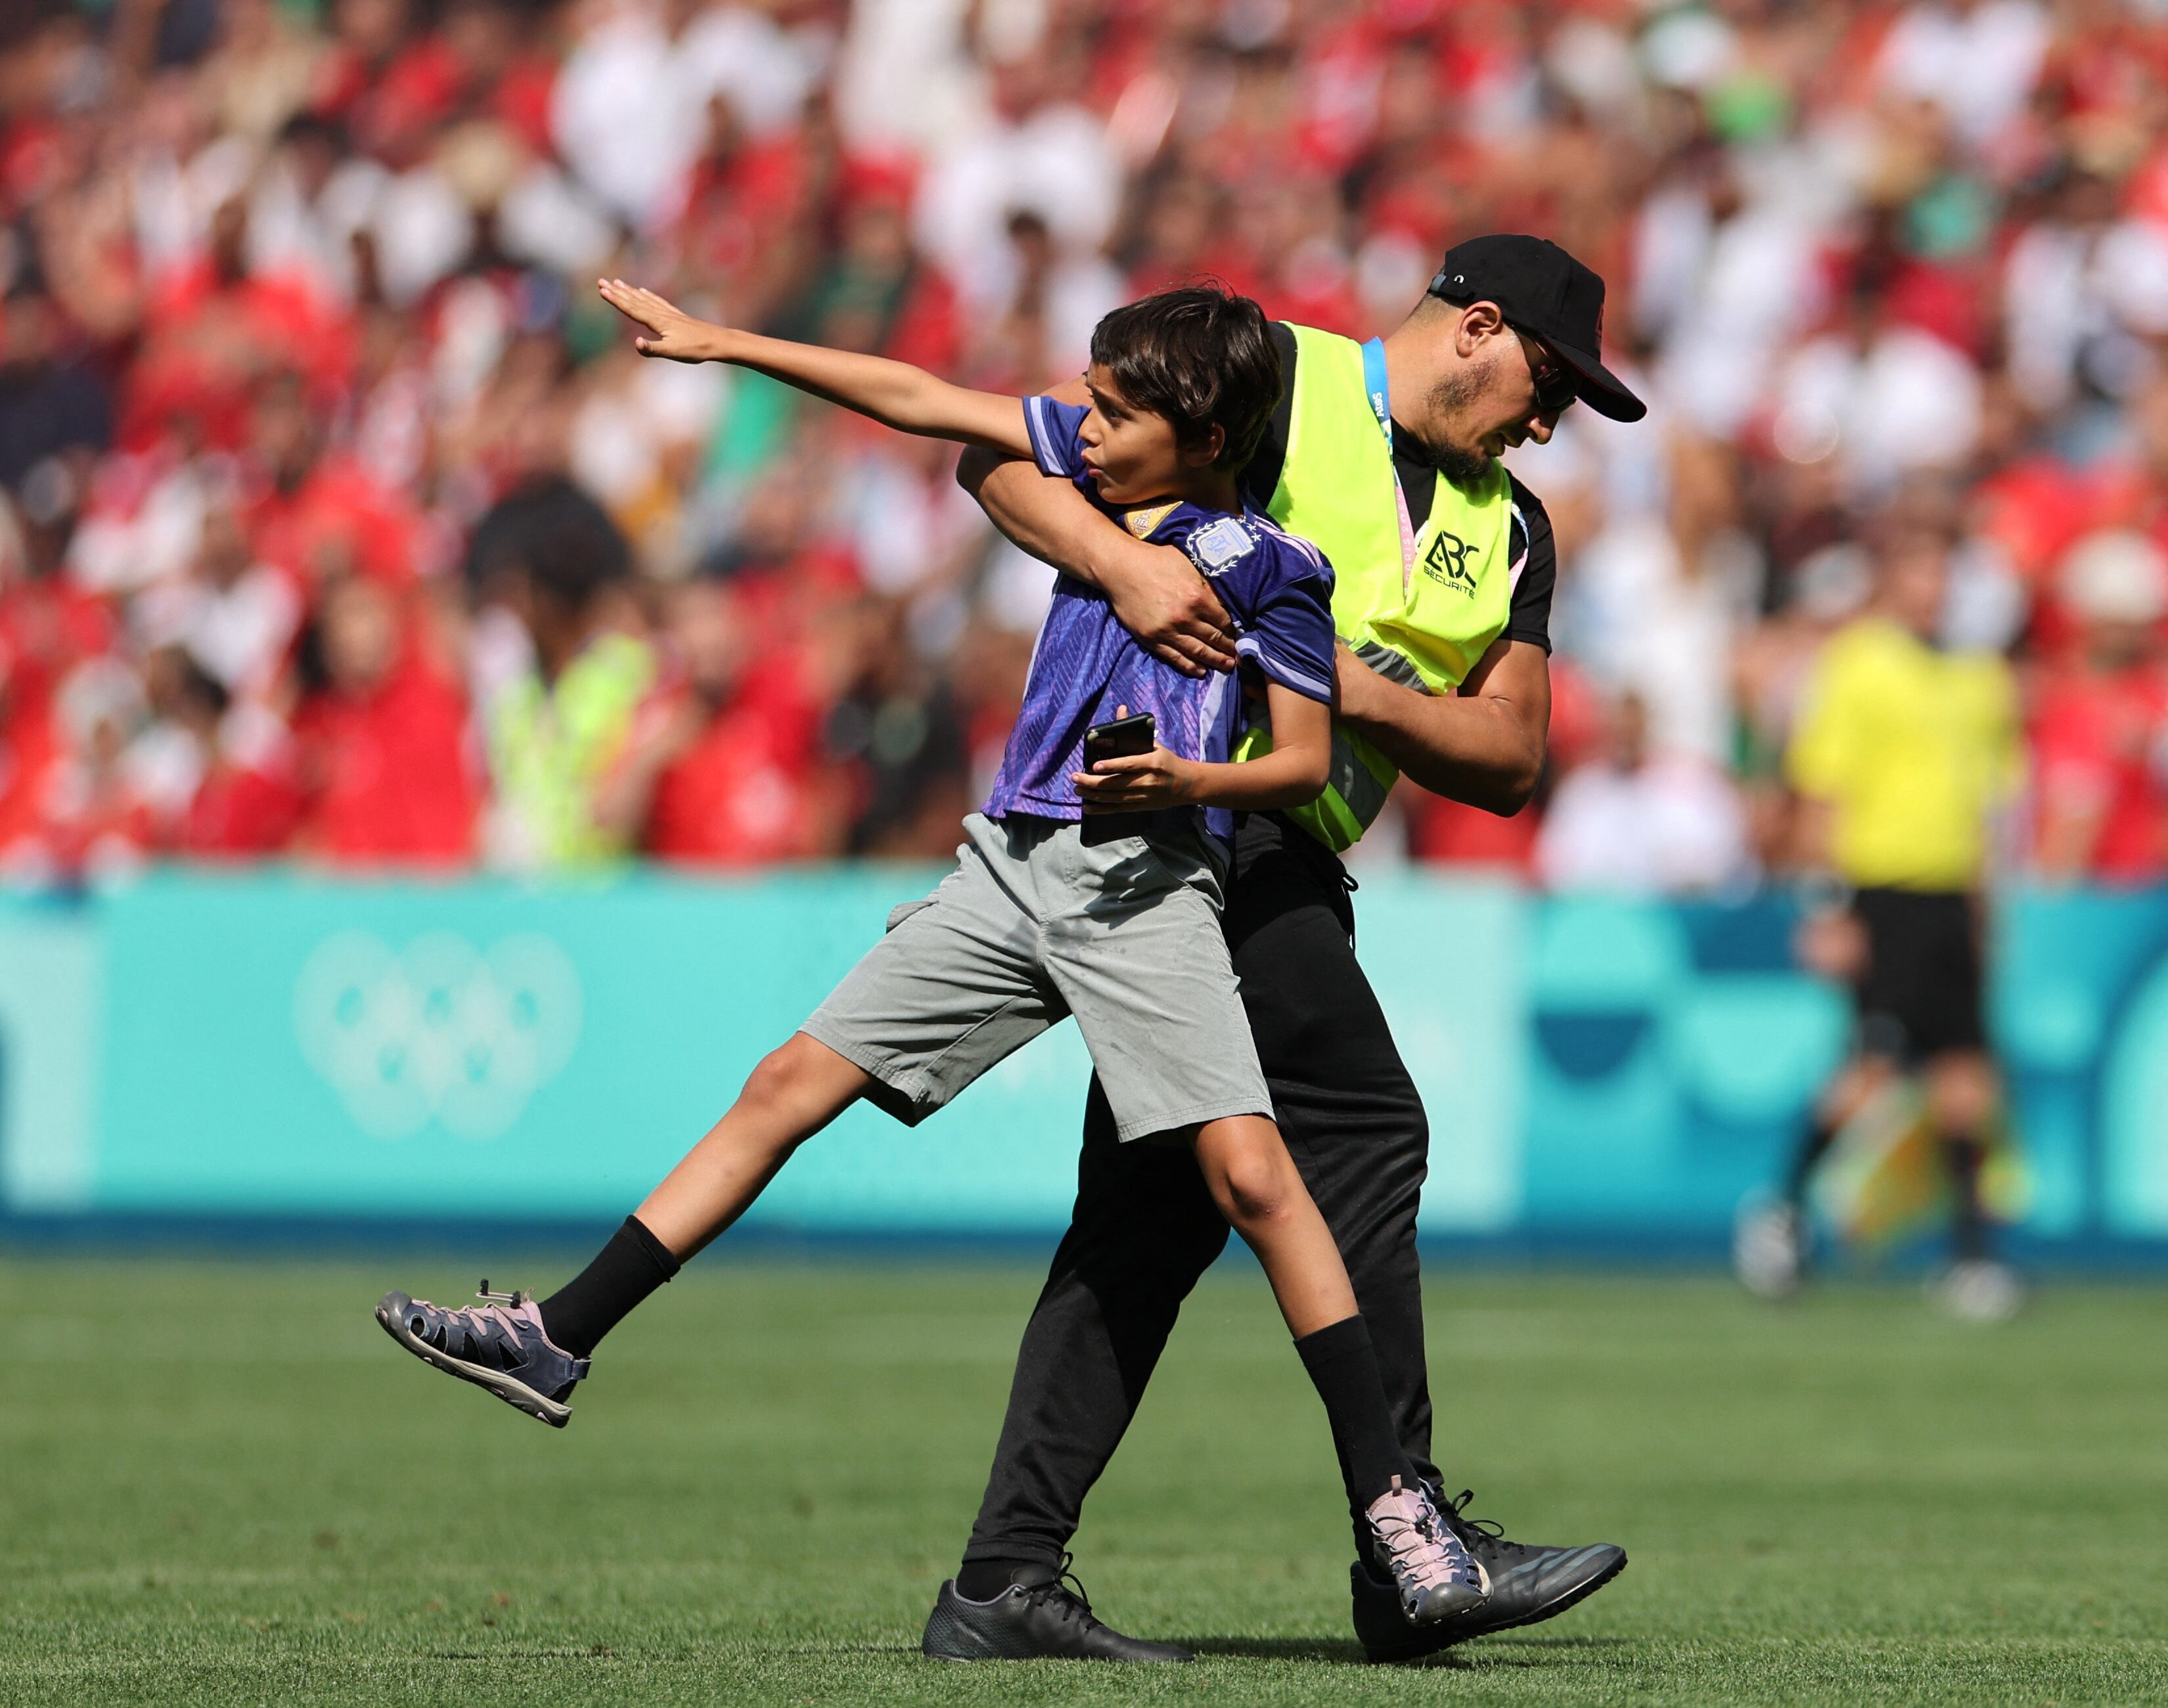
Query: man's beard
<point x="1462" y="467"/>
<point x="1460" y="464"/>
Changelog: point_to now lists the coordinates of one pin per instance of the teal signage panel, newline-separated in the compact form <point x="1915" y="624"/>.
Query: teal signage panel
<point x="289" y="1047"/>
<point x="279" y="1044"/>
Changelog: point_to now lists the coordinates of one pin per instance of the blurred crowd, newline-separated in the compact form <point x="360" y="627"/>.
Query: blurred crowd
<point x="341" y="524"/>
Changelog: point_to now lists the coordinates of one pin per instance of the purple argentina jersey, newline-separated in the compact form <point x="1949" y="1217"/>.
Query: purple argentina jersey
<point x="1277" y="588"/>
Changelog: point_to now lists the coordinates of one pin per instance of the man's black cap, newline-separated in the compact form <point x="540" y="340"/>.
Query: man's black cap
<point x="1543" y="290"/>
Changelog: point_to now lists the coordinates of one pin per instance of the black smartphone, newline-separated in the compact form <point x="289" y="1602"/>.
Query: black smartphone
<point x="1118" y="739"/>
<point x="1122" y="739"/>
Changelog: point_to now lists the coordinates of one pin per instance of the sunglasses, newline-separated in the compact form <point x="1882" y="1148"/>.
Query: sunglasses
<point x="1556" y="385"/>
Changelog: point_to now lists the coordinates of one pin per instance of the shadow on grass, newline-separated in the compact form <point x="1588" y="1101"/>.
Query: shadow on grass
<point x="1540" y="1652"/>
<point x="1276" y="1648"/>
<point x="583" y="1652"/>
<point x="1500" y="1650"/>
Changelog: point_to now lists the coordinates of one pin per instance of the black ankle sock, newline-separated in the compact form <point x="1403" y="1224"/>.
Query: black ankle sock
<point x="603" y="1294"/>
<point x="982" y="1580"/>
<point x="1964" y="1157"/>
<point x="1343" y="1368"/>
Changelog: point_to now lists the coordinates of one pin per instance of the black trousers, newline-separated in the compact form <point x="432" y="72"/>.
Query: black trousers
<point x="1145" y="1229"/>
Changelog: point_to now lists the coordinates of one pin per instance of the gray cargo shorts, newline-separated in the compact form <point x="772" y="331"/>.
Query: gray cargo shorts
<point x="1033" y="925"/>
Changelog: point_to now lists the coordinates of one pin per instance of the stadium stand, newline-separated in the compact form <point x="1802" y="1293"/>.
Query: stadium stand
<point x="343" y="524"/>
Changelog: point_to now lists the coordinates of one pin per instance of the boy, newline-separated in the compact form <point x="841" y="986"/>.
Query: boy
<point x="1041" y="919"/>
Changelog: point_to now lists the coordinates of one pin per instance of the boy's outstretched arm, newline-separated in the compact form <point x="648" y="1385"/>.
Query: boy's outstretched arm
<point x="895" y="394"/>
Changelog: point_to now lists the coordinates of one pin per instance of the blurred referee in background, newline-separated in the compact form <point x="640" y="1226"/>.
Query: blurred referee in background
<point x="1904" y="754"/>
<point x="1386" y="456"/>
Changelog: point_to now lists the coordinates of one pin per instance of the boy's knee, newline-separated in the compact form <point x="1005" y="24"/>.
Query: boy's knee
<point x="1252" y="1184"/>
<point x="782" y="1076"/>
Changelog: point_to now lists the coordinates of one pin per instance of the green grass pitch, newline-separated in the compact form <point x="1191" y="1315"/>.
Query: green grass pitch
<point x="221" y="1483"/>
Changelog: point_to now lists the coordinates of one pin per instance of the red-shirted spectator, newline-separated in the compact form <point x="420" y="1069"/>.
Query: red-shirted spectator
<point x="383" y="759"/>
<point x="214" y="333"/>
<point x="741" y="196"/>
<point x="320" y="516"/>
<point x="86" y="811"/>
<point x="47" y="626"/>
<point x="218" y="775"/>
<point x="2100" y="732"/>
<point x="474" y="66"/>
<point x="366" y="38"/>
<point x="744" y="788"/>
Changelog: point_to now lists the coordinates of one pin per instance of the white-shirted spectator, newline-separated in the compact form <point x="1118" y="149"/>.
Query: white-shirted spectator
<point x="1756" y="289"/>
<point x="629" y="109"/>
<point x="306" y="205"/>
<point x="1033" y="150"/>
<point x="2083" y="291"/>
<point x="1978" y="60"/>
<point x="619" y="115"/>
<point x="234" y="617"/>
<point x="1039" y="303"/>
<point x="905" y="79"/>
<point x="1887" y="399"/>
<point x="765" y="70"/>
<point x="1646" y="619"/>
<point x="1637" y="822"/>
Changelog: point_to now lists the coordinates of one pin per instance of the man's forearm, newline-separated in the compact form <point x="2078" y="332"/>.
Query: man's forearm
<point x="1483" y="746"/>
<point x="1462" y="749"/>
<point x="1156" y="594"/>
<point x="1049" y="518"/>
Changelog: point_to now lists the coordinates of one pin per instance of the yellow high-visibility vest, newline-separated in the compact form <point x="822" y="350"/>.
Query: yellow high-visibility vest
<point x="1424" y="626"/>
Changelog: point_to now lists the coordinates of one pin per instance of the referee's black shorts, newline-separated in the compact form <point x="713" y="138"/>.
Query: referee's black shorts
<point x="1919" y="994"/>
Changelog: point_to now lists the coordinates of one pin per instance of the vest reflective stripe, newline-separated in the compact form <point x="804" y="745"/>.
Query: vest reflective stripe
<point x="1391" y="666"/>
<point x="1355" y="790"/>
<point x="1424" y="630"/>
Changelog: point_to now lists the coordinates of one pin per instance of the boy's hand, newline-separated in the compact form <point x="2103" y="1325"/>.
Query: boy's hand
<point x="672" y="332"/>
<point x="1139" y="782"/>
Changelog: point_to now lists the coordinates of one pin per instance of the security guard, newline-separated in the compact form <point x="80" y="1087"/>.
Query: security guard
<point x="1386" y="455"/>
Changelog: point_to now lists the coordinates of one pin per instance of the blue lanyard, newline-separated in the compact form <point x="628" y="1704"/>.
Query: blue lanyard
<point x="1373" y="382"/>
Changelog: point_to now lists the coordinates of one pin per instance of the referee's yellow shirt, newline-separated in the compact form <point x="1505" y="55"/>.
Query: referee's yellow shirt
<point x="1912" y="749"/>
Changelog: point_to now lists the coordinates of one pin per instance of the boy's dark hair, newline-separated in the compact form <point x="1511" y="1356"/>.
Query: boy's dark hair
<point x="1200" y="356"/>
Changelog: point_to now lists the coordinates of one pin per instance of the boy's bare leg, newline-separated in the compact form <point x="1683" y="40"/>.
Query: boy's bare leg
<point x="1258" y="1189"/>
<point x="794" y="1092"/>
<point x="531" y="1353"/>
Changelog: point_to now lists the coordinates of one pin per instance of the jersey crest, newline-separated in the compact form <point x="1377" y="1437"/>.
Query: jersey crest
<point x="1225" y="542"/>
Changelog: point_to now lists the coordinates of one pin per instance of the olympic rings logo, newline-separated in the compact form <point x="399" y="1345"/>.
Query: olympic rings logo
<point x="438" y="1032"/>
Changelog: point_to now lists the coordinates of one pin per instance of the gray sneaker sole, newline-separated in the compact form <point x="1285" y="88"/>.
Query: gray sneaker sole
<point x="510" y="1389"/>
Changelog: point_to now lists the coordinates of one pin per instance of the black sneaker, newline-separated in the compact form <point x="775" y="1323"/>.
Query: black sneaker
<point x="1528" y="1584"/>
<point x="1048" y="1621"/>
